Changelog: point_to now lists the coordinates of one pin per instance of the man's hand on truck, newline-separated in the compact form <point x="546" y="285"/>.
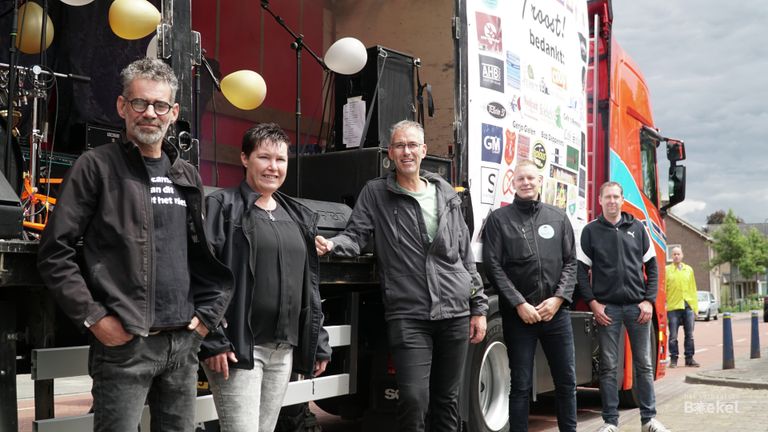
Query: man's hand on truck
<point x="110" y="332"/>
<point x="323" y="245"/>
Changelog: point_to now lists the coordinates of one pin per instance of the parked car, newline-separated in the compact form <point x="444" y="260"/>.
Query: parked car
<point x="708" y="306"/>
<point x="765" y="309"/>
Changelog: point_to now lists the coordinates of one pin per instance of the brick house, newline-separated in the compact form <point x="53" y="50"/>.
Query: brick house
<point x="697" y="251"/>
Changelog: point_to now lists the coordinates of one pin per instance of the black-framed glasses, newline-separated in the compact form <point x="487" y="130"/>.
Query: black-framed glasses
<point x="140" y="105"/>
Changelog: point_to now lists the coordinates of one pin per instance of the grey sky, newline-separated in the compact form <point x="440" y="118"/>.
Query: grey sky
<point x="706" y="64"/>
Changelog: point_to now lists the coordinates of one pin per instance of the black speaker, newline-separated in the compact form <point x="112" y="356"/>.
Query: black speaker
<point x="392" y="72"/>
<point x="339" y="176"/>
<point x="11" y="212"/>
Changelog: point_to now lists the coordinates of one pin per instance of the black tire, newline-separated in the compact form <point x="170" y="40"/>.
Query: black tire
<point x="628" y="398"/>
<point x="708" y="316"/>
<point x="489" y="382"/>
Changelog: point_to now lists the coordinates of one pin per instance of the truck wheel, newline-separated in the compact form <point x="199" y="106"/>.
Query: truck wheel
<point x="628" y="398"/>
<point x="489" y="382"/>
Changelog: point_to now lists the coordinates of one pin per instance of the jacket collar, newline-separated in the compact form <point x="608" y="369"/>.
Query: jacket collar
<point x="176" y="172"/>
<point x="437" y="180"/>
<point x="298" y="211"/>
<point x="626" y="220"/>
<point x="248" y="195"/>
<point x="527" y="205"/>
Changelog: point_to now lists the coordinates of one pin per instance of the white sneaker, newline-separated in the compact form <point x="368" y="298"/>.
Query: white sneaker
<point x="654" y="426"/>
<point x="607" y="427"/>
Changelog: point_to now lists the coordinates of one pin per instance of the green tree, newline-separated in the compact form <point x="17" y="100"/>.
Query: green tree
<point x="730" y="244"/>
<point x="718" y="217"/>
<point x="755" y="259"/>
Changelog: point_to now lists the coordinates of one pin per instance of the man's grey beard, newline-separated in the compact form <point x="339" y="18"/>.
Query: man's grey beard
<point x="151" y="138"/>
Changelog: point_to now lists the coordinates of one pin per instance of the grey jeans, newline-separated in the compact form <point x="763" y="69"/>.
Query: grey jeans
<point x="253" y="397"/>
<point x="160" y="369"/>
<point x="640" y="340"/>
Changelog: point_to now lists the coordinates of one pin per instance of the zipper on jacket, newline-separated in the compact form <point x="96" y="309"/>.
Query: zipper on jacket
<point x="540" y="287"/>
<point x="620" y="260"/>
<point x="397" y="226"/>
<point x="249" y="297"/>
<point x="150" y="282"/>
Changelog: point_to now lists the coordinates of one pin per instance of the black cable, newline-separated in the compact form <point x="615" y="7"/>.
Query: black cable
<point x="213" y="138"/>
<point x="326" y="86"/>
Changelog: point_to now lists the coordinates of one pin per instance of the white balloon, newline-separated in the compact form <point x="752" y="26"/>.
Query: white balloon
<point x="346" y="56"/>
<point x="152" y="47"/>
<point x="77" y="2"/>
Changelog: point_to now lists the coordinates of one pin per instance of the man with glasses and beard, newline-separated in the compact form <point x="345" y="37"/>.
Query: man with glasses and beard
<point x="149" y="288"/>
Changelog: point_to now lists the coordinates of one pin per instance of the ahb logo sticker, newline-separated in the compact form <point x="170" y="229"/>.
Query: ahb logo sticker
<point x="491" y="73"/>
<point x="492" y="140"/>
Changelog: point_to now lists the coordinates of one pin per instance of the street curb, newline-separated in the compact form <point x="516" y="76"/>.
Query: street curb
<point x="700" y="378"/>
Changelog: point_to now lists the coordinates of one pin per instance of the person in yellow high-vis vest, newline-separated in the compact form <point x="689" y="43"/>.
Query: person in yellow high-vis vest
<point x="682" y="307"/>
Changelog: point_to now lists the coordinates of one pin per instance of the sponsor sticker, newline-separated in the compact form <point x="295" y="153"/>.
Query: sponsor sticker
<point x="513" y="70"/>
<point x="488" y="32"/>
<point x="539" y="154"/>
<point x="572" y="158"/>
<point x="562" y="174"/>
<point x="492" y="143"/>
<point x="523" y="147"/>
<point x="515" y="103"/>
<point x="509" y="146"/>
<point x="496" y="110"/>
<point x="507" y="186"/>
<point x="559" y="78"/>
<point x="491" y="73"/>
<point x="489" y="176"/>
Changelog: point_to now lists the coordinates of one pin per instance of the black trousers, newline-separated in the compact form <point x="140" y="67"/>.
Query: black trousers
<point x="429" y="359"/>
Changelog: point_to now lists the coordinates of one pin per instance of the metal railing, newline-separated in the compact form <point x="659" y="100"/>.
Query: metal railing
<point x="52" y="363"/>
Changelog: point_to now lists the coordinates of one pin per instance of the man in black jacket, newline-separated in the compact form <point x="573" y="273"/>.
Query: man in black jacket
<point x="529" y="255"/>
<point x="616" y="248"/>
<point x="149" y="289"/>
<point x="433" y="295"/>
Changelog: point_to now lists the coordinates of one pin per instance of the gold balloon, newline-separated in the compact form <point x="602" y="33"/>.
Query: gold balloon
<point x="244" y="89"/>
<point x="133" y="19"/>
<point x="31" y="28"/>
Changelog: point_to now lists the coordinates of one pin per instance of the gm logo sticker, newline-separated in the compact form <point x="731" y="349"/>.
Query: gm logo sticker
<point x="496" y="110"/>
<point x="492" y="143"/>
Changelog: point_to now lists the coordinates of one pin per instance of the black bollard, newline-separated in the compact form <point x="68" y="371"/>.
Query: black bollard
<point x="728" y="361"/>
<point x="754" y="351"/>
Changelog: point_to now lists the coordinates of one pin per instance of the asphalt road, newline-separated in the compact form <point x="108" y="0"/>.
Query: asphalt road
<point x="673" y="395"/>
<point x="675" y="398"/>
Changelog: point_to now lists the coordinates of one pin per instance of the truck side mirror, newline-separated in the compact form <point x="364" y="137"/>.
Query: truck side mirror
<point x="676" y="186"/>
<point x="675" y="150"/>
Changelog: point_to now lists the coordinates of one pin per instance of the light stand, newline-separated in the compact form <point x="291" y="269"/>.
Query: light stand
<point x="298" y="45"/>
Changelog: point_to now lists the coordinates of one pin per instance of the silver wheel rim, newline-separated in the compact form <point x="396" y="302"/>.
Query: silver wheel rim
<point x="493" y="386"/>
